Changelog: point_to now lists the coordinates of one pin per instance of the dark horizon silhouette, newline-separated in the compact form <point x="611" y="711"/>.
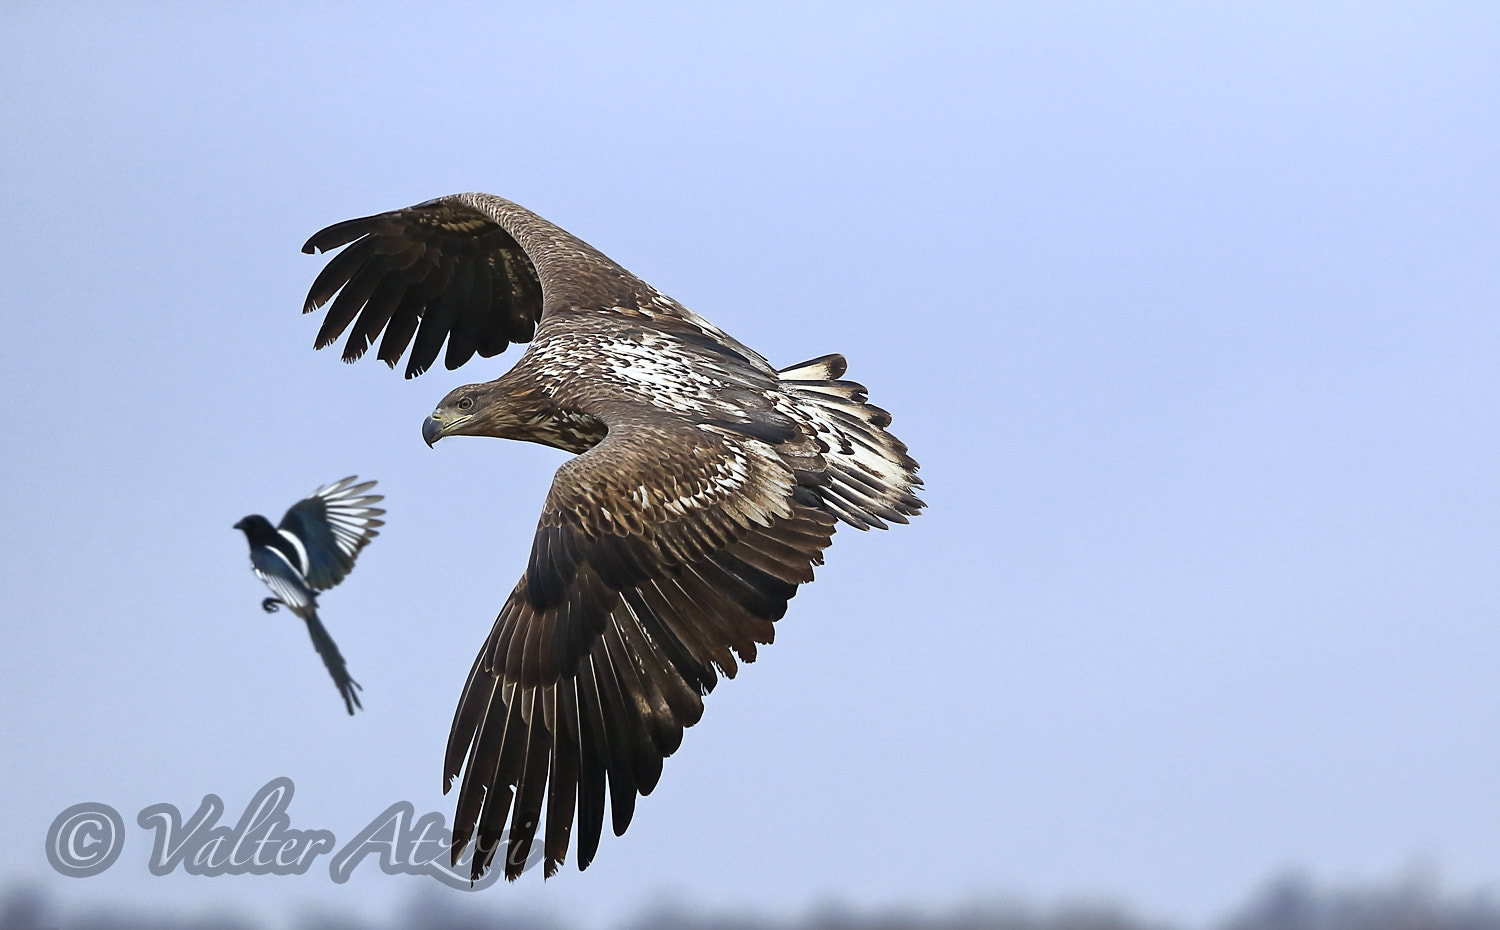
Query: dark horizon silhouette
<point x="1290" y="902"/>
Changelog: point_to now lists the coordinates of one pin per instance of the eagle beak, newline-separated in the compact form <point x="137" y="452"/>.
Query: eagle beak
<point x="432" y="430"/>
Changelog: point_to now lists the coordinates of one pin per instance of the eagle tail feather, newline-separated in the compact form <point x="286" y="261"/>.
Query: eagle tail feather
<point x="871" y="478"/>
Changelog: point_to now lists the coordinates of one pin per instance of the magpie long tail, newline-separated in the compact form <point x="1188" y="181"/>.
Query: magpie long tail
<point x="329" y="652"/>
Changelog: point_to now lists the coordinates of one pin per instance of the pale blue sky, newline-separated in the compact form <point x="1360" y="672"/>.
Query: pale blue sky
<point x="1188" y="311"/>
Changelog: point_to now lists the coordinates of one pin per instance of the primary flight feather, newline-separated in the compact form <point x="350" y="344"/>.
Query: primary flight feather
<point x="705" y="487"/>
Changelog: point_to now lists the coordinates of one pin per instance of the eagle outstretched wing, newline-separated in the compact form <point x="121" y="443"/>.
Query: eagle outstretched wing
<point x="478" y="271"/>
<point x="662" y="554"/>
<point x="435" y="271"/>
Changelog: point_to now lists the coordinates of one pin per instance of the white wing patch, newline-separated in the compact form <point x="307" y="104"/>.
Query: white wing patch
<point x="301" y="550"/>
<point x="349" y="515"/>
<point x="288" y="593"/>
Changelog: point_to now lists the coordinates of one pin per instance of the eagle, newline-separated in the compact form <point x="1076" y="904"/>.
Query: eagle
<point x="311" y="550"/>
<point x="704" y="488"/>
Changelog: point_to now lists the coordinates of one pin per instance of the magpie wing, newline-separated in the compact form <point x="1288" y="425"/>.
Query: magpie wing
<point x="284" y="579"/>
<point x="330" y="527"/>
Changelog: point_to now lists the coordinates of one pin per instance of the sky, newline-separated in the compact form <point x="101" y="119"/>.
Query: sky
<point x="1188" y="311"/>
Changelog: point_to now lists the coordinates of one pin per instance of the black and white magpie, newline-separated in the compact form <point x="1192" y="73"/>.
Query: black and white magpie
<point x="312" y="550"/>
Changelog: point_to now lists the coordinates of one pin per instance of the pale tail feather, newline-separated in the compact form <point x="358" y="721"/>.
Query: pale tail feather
<point x="871" y="478"/>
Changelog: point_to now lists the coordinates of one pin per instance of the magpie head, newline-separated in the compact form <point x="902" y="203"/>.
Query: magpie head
<point x="255" y="527"/>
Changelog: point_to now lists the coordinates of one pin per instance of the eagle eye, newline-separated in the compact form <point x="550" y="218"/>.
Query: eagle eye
<point x="465" y="402"/>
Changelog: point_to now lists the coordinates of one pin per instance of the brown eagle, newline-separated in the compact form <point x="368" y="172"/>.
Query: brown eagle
<point x="705" y="488"/>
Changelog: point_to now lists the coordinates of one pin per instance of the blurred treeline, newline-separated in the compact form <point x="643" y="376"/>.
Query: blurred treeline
<point x="1288" y="904"/>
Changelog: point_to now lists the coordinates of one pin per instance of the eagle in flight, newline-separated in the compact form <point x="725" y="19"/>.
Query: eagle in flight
<point x="705" y="487"/>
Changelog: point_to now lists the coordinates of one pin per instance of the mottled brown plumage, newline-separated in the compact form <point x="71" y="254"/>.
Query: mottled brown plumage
<point x="706" y="486"/>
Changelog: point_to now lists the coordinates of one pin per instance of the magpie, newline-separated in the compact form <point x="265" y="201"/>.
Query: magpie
<point x="312" y="550"/>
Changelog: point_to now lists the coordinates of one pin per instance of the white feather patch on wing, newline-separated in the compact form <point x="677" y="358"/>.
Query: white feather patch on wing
<point x="349" y="514"/>
<point x="297" y="546"/>
<point x="288" y="593"/>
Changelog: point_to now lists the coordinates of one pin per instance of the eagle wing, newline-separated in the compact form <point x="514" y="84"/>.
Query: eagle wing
<point x="475" y="270"/>
<point x="434" y="271"/>
<point x="330" y="527"/>
<point x="662" y="554"/>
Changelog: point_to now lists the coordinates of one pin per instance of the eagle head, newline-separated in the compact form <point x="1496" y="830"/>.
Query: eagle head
<point x="510" y="410"/>
<point x="466" y="411"/>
